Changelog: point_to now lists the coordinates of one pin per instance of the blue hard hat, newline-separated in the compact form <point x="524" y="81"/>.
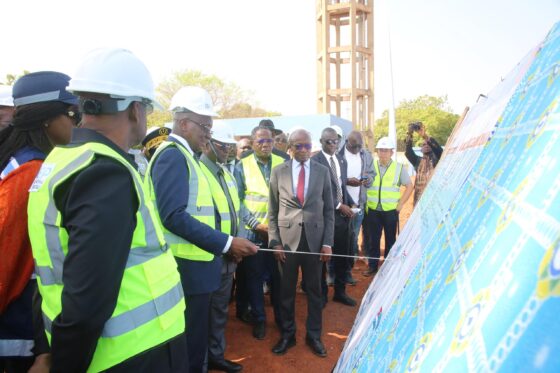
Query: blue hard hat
<point x="42" y="86"/>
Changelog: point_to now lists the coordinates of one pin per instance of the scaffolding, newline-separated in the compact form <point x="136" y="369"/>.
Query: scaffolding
<point x="345" y="61"/>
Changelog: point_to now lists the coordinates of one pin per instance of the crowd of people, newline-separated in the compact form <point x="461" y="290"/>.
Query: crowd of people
<point x="107" y="269"/>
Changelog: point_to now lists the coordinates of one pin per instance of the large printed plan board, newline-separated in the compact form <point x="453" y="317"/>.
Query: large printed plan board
<point x="473" y="282"/>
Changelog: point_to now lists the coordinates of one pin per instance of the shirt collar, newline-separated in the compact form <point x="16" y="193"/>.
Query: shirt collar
<point x="183" y="142"/>
<point x="328" y="156"/>
<point x="305" y="164"/>
<point x="84" y="135"/>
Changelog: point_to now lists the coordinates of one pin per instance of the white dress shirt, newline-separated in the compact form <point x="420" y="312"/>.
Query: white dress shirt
<point x="296" y="167"/>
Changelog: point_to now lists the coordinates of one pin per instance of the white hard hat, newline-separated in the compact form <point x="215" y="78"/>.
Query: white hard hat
<point x="6" y="95"/>
<point x="222" y="132"/>
<point x="338" y="130"/>
<point x="385" y="143"/>
<point x="194" y="99"/>
<point x="115" y="72"/>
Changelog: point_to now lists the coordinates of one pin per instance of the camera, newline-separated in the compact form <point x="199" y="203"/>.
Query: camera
<point x="414" y="126"/>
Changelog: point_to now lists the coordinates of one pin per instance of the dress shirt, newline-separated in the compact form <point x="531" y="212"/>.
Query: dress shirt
<point x="354" y="162"/>
<point x="296" y="167"/>
<point x="337" y="166"/>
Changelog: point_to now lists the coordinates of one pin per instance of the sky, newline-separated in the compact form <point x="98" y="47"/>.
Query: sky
<point x="458" y="48"/>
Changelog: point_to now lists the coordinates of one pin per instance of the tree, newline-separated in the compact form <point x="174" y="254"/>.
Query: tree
<point x="230" y="100"/>
<point x="434" y="112"/>
<point x="11" y="78"/>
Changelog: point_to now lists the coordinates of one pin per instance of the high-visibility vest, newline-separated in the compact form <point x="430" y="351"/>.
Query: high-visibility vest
<point x="386" y="189"/>
<point x="256" y="194"/>
<point x="220" y="197"/>
<point x="199" y="205"/>
<point x="150" y="304"/>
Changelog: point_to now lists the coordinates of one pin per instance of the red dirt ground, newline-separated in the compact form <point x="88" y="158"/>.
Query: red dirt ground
<point x="256" y="356"/>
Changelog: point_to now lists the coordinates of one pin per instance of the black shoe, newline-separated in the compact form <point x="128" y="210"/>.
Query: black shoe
<point x="246" y="317"/>
<point x="351" y="281"/>
<point x="259" y="330"/>
<point x="316" y="346"/>
<point x="369" y="272"/>
<point x="283" y="344"/>
<point x="344" y="299"/>
<point x="224" y="366"/>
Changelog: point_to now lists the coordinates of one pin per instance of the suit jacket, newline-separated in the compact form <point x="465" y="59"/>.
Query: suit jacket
<point x="320" y="158"/>
<point x="287" y="216"/>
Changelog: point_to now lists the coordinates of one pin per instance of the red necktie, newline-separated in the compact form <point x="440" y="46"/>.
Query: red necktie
<point x="301" y="183"/>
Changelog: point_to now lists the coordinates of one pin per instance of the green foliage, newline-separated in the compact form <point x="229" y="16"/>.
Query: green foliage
<point x="11" y="78"/>
<point x="434" y="112"/>
<point x="229" y="99"/>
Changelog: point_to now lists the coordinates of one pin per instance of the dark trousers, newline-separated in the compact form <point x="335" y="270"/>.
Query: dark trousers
<point x="289" y="271"/>
<point x="170" y="357"/>
<point x="219" y="301"/>
<point x="196" y="318"/>
<point x="254" y="268"/>
<point x="376" y="222"/>
<point x="241" y="296"/>
<point x="338" y="266"/>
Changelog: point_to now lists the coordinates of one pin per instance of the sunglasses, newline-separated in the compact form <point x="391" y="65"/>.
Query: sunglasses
<point x="149" y="107"/>
<point x="75" y="115"/>
<point x="299" y="147"/>
<point x="222" y="147"/>
<point x="264" y="141"/>
<point x="355" y="146"/>
<point x="205" y="127"/>
<point x="332" y="142"/>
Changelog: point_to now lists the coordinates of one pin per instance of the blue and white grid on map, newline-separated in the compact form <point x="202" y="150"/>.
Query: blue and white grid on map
<point x="473" y="282"/>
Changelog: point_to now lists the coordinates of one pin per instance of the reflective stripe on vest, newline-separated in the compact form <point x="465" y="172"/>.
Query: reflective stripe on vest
<point x="386" y="189"/>
<point x="221" y="199"/>
<point x="200" y="205"/>
<point x="256" y="193"/>
<point x="150" y="303"/>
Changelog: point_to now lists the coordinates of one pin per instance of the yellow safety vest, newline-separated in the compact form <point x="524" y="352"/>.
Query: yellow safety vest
<point x="150" y="304"/>
<point x="221" y="199"/>
<point x="386" y="189"/>
<point x="199" y="205"/>
<point x="256" y="194"/>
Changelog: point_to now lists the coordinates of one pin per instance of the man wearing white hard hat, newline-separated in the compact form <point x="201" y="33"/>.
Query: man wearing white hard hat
<point x="6" y="106"/>
<point x="224" y="191"/>
<point x="111" y="294"/>
<point x="384" y="202"/>
<point x="187" y="210"/>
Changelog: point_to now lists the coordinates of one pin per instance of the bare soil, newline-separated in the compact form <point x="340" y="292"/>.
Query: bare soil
<point x="256" y="356"/>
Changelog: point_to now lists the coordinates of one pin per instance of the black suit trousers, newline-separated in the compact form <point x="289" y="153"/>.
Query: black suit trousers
<point x="289" y="271"/>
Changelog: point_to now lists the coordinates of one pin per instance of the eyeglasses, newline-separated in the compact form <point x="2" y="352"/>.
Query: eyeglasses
<point x="299" y="147"/>
<point x="264" y="141"/>
<point x="205" y="127"/>
<point x="75" y="115"/>
<point x="149" y="107"/>
<point x="223" y="147"/>
<point x="332" y="142"/>
<point x="354" y="146"/>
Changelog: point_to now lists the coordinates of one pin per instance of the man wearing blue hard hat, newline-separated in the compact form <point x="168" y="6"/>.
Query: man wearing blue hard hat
<point x="111" y="294"/>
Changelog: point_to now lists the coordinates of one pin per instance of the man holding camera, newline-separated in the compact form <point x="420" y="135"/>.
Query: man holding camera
<point x="425" y="165"/>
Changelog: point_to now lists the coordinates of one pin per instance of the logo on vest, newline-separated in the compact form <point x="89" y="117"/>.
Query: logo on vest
<point x="44" y="172"/>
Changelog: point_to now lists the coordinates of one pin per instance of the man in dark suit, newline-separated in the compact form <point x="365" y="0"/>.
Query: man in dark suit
<point x="301" y="219"/>
<point x="341" y="200"/>
<point x="188" y="214"/>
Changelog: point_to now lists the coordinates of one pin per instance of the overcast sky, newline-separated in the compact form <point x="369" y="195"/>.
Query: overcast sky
<point x="456" y="47"/>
